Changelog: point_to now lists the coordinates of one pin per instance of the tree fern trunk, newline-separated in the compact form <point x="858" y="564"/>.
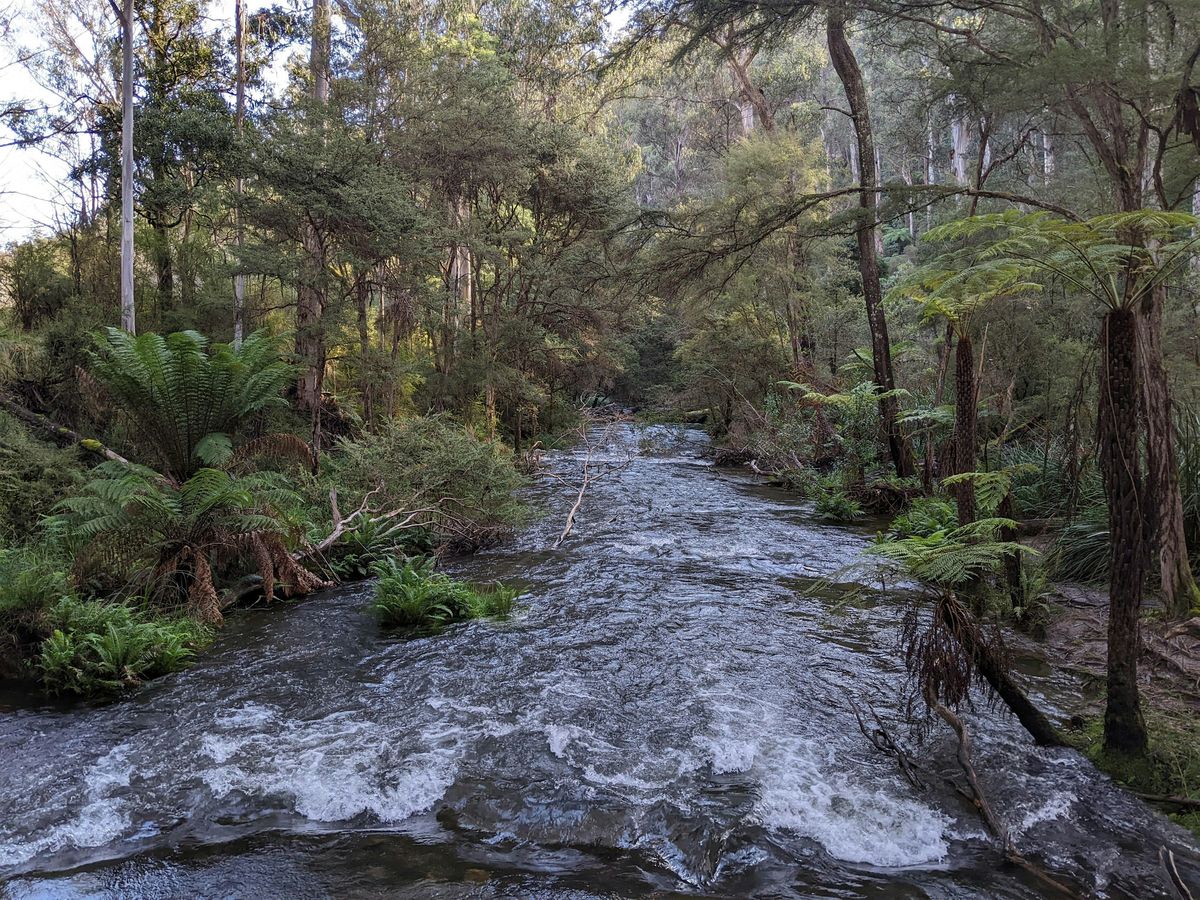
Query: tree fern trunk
<point x="1124" y="728"/>
<point x="965" y="425"/>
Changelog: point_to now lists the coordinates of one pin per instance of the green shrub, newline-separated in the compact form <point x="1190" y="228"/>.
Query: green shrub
<point x="834" y="504"/>
<point x="105" y="648"/>
<point x="361" y="548"/>
<point x="130" y="524"/>
<point x="433" y="463"/>
<point x="1081" y="551"/>
<point x="411" y="596"/>
<point x="951" y="559"/>
<point x="1044" y="485"/>
<point x="31" y="582"/>
<point x="1187" y="445"/>
<point x="34" y="475"/>
<point x="924" y="516"/>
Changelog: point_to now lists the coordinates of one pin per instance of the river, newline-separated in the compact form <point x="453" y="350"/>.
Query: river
<point x="666" y="714"/>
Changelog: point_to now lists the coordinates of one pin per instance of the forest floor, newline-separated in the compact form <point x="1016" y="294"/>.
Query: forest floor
<point x="1170" y="690"/>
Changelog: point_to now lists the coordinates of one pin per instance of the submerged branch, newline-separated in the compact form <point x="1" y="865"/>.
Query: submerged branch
<point x="590" y="475"/>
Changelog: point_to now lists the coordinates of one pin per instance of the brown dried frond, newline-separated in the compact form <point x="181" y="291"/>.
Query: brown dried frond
<point x="278" y="446"/>
<point x="264" y="563"/>
<point x="203" y="602"/>
<point x="941" y="652"/>
<point x="296" y="579"/>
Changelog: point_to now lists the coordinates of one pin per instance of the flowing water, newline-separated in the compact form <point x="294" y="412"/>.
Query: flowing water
<point x="667" y="713"/>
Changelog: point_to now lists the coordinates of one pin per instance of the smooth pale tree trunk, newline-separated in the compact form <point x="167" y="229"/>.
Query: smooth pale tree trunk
<point x="1180" y="593"/>
<point x="363" y="304"/>
<point x="310" y="293"/>
<point x="128" y="312"/>
<point x="239" y="280"/>
<point x="1124" y="728"/>
<point x="460" y="297"/>
<point x="846" y="66"/>
<point x="960" y="141"/>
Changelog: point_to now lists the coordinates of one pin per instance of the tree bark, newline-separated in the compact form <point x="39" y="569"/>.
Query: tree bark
<point x="846" y="65"/>
<point x="239" y="279"/>
<point x="965" y="425"/>
<point x="1124" y="728"/>
<point x="311" y="292"/>
<point x="128" y="317"/>
<point x="1164" y="498"/>
<point x="991" y="667"/>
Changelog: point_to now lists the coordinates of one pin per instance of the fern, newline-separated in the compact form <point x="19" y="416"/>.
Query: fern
<point x="184" y="397"/>
<point x="954" y="558"/>
<point x="991" y="487"/>
<point x="1092" y="256"/>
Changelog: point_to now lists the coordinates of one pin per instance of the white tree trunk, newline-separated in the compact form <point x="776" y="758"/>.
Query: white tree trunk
<point x="746" y="108"/>
<point x="128" y="316"/>
<point x="239" y="280"/>
<point x="1047" y="158"/>
<point x="960" y="139"/>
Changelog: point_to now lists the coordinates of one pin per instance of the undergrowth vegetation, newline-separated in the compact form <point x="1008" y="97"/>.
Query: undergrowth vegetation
<point x="98" y="648"/>
<point x="205" y="496"/>
<point x="411" y="596"/>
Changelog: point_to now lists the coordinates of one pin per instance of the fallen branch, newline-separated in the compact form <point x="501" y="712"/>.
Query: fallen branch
<point x="1167" y="859"/>
<point x="975" y="794"/>
<point x="991" y="667"/>
<point x="881" y="740"/>
<point x="60" y="433"/>
<point x="1169" y="800"/>
<point x="590" y="476"/>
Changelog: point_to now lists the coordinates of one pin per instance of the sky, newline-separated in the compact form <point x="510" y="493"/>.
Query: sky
<point x="31" y="180"/>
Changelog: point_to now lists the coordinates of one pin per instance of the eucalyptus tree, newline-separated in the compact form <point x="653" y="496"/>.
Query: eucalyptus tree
<point x="128" y="311"/>
<point x="752" y="25"/>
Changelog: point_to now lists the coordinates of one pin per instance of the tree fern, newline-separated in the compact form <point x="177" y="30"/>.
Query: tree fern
<point x="184" y="397"/>
<point x="951" y="559"/>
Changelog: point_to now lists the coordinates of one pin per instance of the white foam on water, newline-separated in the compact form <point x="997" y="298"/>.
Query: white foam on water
<point x="806" y="786"/>
<point x="330" y="769"/>
<point x="100" y="820"/>
<point x="728" y="755"/>
<point x="1055" y="806"/>
<point x="853" y="821"/>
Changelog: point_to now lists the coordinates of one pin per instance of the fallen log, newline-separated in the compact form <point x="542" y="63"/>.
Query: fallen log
<point x="59" y="433"/>
<point x="993" y="670"/>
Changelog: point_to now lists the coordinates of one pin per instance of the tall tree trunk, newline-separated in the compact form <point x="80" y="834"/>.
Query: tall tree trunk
<point x="850" y="74"/>
<point x="164" y="264"/>
<point x="128" y="318"/>
<point x="1124" y="729"/>
<point x="363" y="302"/>
<point x="239" y="230"/>
<point x="1164" y="498"/>
<point x="960" y="141"/>
<point x="965" y="425"/>
<point x="311" y="291"/>
<point x="310" y="315"/>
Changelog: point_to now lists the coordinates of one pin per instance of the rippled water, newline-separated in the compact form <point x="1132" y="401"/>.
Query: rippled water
<point x="667" y="713"/>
